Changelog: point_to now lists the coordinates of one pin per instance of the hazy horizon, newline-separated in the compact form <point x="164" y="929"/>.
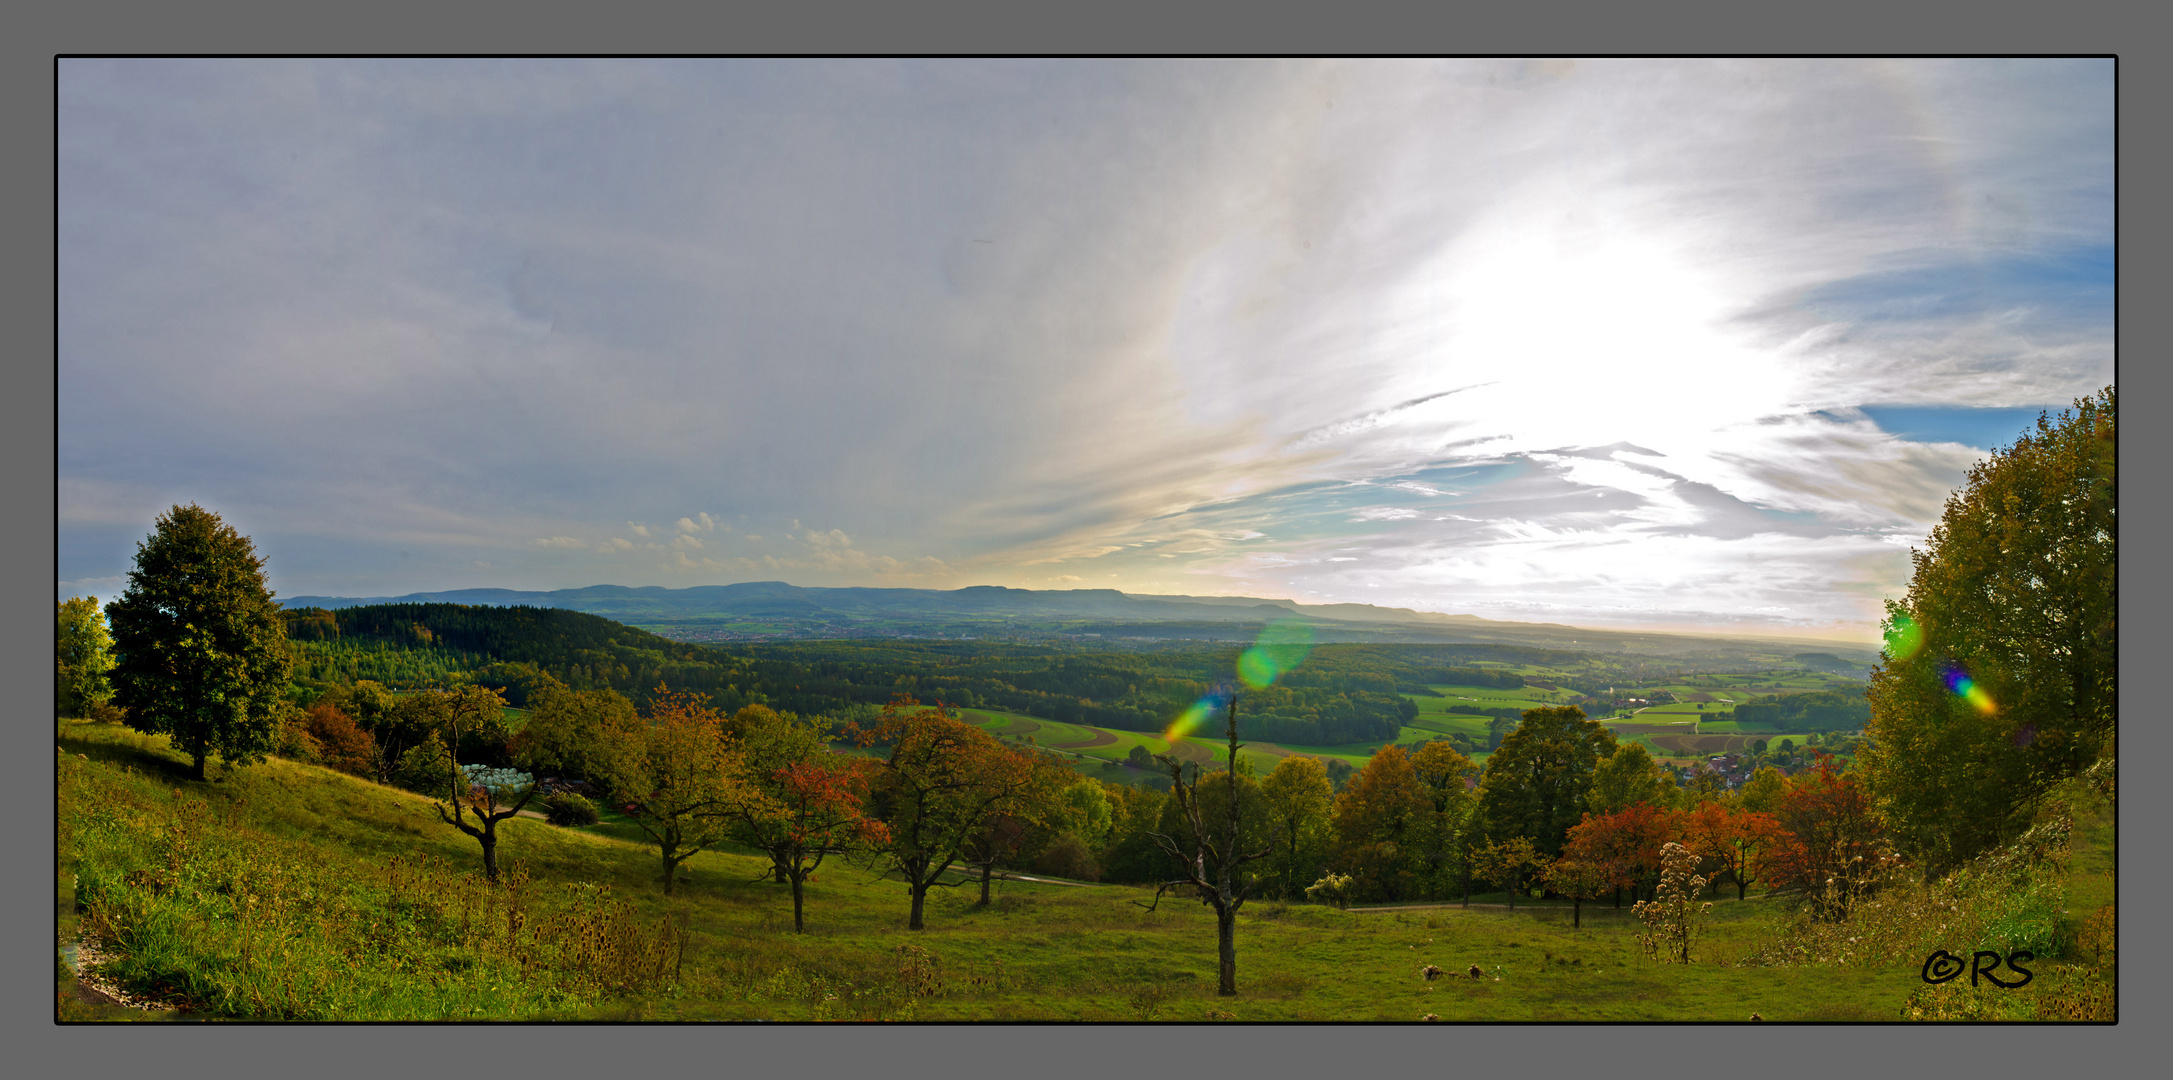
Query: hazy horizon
<point x="1697" y="346"/>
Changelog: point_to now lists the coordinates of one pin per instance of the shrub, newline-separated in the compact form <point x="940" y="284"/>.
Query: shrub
<point x="297" y="744"/>
<point x="1069" y="857"/>
<point x="567" y="808"/>
<point x="1333" y="889"/>
<point x="342" y="744"/>
<point x="425" y="767"/>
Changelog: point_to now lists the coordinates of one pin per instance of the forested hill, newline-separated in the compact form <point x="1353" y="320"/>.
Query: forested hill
<point x="419" y="645"/>
<point x="1340" y="694"/>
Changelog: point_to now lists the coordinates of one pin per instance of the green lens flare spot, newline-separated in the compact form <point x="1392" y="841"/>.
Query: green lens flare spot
<point x="1282" y="645"/>
<point x="1903" y="638"/>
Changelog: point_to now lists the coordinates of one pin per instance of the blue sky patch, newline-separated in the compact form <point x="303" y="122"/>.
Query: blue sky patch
<point x="1982" y="428"/>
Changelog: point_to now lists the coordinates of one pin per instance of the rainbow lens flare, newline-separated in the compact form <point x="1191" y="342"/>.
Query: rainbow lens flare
<point x="1903" y="638"/>
<point x="1967" y="689"/>
<point x="1192" y="719"/>
<point x="1282" y="646"/>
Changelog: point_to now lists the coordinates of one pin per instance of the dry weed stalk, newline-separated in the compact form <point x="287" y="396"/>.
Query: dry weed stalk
<point x="1669" y="915"/>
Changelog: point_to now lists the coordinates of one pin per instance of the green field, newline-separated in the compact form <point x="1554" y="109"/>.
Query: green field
<point x="336" y="939"/>
<point x="1114" y="745"/>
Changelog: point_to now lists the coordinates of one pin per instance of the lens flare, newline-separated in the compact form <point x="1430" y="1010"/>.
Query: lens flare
<point x="1282" y="646"/>
<point x="1192" y="719"/>
<point x="1903" y="638"/>
<point x="1967" y="689"/>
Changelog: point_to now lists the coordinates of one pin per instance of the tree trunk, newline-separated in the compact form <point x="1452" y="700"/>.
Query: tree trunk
<point x="986" y="868"/>
<point x="799" y="922"/>
<point x="1576" y="912"/>
<point x="920" y="894"/>
<point x="199" y="752"/>
<point x="489" y="840"/>
<point x="1226" y="948"/>
<point x="671" y="871"/>
<point x="1739" y="886"/>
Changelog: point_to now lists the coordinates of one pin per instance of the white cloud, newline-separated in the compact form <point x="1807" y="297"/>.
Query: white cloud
<point x="1205" y="286"/>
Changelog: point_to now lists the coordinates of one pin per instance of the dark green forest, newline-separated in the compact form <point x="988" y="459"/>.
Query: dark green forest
<point x="1819" y="710"/>
<point x="1343" y="693"/>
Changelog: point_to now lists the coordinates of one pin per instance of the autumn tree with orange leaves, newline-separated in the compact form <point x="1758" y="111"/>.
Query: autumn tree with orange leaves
<point x="1727" y="840"/>
<point x="941" y="782"/>
<point x="677" y="775"/>
<point x="804" y="803"/>
<point x="1829" y="836"/>
<point x="818" y="811"/>
<point x="1381" y="825"/>
<point x="1627" y="843"/>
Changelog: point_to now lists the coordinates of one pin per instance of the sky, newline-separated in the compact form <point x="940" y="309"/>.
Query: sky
<point x="1690" y="345"/>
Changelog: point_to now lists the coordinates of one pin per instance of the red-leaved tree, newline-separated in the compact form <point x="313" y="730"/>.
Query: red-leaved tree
<point x="1830" y="838"/>
<point x="816" y="808"/>
<point x="1627" y="843"/>
<point x="1727" y="840"/>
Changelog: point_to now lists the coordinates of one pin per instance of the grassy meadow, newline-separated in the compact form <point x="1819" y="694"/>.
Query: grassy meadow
<point x="288" y="891"/>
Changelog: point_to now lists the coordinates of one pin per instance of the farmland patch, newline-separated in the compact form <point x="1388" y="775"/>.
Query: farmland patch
<point x="1703" y="744"/>
<point x="1099" y="738"/>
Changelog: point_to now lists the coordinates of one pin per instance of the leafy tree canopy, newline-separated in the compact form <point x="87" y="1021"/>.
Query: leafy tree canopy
<point x="1998" y="674"/>
<point x="1539" y="783"/>
<point x="200" y="650"/>
<point x="84" y="656"/>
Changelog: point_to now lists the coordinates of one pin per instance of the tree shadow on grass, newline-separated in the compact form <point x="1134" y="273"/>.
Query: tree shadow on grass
<point x="163" y="764"/>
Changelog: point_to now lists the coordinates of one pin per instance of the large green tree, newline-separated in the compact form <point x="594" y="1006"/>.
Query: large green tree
<point x="1540" y="782"/>
<point x="1998" y="675"/>
<point x="1627" y="778"/>
<point x="570" y="733"/>
<point x="200" y="650"/>
<point x="1381" y="826"/>
<point x="1300" y="800"/>
<point x="1449" y="838"/>
<point x="83" y="655"/>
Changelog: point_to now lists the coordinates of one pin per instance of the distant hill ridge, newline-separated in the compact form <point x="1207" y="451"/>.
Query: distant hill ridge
<point x="780" y="599"/>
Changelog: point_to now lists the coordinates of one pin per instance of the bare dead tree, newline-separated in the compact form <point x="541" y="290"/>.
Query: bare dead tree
<point x="1211" y="868"/>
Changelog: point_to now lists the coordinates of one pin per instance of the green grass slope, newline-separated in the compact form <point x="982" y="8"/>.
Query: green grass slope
<point x="286" y="891"/>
